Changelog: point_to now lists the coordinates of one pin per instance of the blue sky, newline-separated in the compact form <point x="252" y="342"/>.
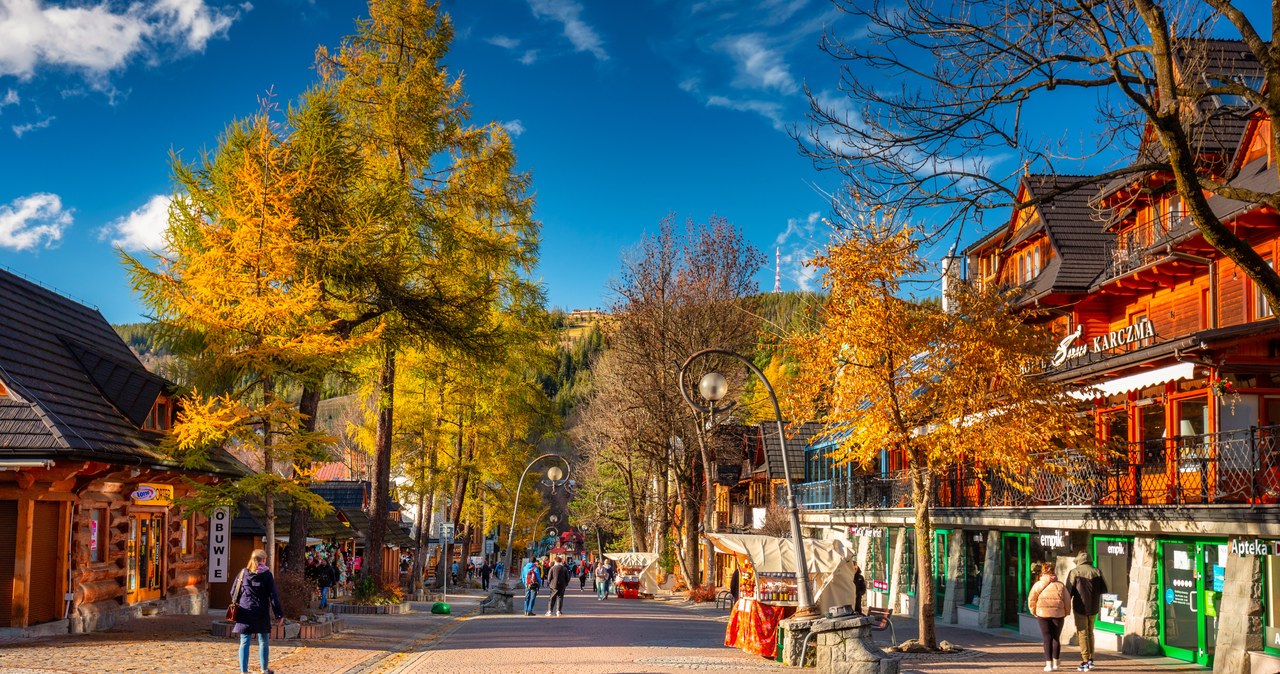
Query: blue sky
<point x="623" y="112"/>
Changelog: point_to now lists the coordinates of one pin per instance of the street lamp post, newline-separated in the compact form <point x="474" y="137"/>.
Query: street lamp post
<point x="713" y="388"/>
<point x="554" y="474"/>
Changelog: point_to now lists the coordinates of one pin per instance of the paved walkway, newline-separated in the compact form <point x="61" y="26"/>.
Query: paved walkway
<point x="183" y="644"/>
<point x="617" y="635"/>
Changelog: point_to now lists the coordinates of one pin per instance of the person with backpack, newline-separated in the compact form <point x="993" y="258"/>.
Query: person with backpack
<point x="532" y="576"/>
<point x="1049" y="602"/>
<point x="1086" y="586"/>
<point x="604" y="575"/>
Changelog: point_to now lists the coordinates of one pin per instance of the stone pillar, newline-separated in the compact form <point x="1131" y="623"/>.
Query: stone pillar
<point x="990" y="606"/>
<point x="895" y="572"/>
<point x="795" y="630"/>
<point x="1239" y="616"/>
<point x="954" y="596"/>
<point x="845" y="647"/>
<point x="1142" y="619"/>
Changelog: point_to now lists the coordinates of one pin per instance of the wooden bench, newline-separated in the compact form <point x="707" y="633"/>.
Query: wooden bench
<point x="882" y="619"/>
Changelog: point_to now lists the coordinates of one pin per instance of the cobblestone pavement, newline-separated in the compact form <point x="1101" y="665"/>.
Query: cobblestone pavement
<point x="621" y="636"/>
<point x="182" y="644"/>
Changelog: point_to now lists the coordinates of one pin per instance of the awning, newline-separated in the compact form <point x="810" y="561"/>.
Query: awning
<point x="1133" y="382"/>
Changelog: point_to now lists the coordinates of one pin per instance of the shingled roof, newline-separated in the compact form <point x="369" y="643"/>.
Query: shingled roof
<point x="798" y="437"/>
<point x="75" y="390"/>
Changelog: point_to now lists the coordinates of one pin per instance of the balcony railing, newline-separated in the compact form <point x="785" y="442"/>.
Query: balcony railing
<point x="1140" y="246"/>
<point x="1237" y="467"/>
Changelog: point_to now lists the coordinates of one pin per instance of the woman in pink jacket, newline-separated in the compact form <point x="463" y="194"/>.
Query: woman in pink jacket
<point x="1049" y="602"/>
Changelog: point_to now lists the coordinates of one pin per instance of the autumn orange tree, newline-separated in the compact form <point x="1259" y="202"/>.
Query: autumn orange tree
<point x="231" y="289"/>
<point x="888" y="373"/>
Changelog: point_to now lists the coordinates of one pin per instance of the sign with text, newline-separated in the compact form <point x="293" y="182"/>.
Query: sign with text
<point x="219" y="544"/>
<point x="152" y="494"/>
<point x="1073" y="347"/>
<point x="1055" y="540"/>
<point x="1257" y="548"/>
<point x="867" y="532"/>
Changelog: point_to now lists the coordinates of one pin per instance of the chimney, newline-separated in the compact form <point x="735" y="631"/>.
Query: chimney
<point x="951" y="276"/>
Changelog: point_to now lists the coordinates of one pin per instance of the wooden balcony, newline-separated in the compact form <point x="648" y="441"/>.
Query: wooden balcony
<point x="1238" y="467"/>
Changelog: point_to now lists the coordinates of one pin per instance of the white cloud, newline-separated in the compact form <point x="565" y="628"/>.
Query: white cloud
<point x="10" y="98"/>
<point x="143" y="229"/>
<point x="514" y="128"/>
<point x="33" y="220"/>
<point x="21" y="129"/>
<point x="568" y="13"/>
<point x="503" y="41"/>
<point x="758" y="66"/>
<point x="529" y="57"/>
<point x="770" y="110"/>
<point x="98" y="39"/>
<point x="797" y="245"/>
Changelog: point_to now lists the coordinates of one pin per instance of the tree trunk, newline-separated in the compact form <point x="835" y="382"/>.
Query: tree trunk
<point x="690" y="521"/>
<point x="381" y="500"/>
<point x="921" y="487"/>
<point x="300" y="518"/>
<point x="664" y="512"/>
<point x="708" y="508"/>
<point x="268" y="467"/>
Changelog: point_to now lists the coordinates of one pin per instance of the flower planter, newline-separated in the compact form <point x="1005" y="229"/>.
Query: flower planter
<point x="379" y="609"/>
<point x="292" y="630"/>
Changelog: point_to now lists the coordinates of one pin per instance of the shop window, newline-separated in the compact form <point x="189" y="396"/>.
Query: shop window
<point x="1271" y="601"/>
<point x="876" y="573"/>
<point x="975" y="557"/>
<point x="98" y="535"/>
<point x="1113" y="556"/>
<point x="1261" y="307"/>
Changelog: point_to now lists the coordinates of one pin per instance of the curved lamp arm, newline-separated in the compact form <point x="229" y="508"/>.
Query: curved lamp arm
<point x="805" y="606"/>
<point x="515" y="508"/>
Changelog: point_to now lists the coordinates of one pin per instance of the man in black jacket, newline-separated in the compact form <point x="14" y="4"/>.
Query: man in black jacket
<point x="325" y="578"/>
<point x="558" y="580"/>
<point x="1086" y="586"/>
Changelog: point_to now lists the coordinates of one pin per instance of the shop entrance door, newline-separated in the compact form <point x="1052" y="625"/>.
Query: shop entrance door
<point x="1191" y="579"/>
<point x="941" y="555"/>
<point x="145" y="556"/>
<point x="1015" y="553"/>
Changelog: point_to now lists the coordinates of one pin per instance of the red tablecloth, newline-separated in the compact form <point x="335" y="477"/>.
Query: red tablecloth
<point x="753" y="627"/>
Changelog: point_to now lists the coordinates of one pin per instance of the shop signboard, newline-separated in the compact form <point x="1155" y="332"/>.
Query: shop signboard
<point x="152" y="494"/>
<point x="1073" y="347"/>
<point x="1056" y="540"/>
<point x="1254" y="548"/>
<point x="219" y="544"/>
<point x="867" y="532"/>
<point x="1273" y="637"/>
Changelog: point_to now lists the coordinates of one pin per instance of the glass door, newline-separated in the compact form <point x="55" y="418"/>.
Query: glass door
<point x="941" y="554"/>
<point x="1192" y="574"/>
<point x="1015" y="551"/>
<point x="145" y="556"/>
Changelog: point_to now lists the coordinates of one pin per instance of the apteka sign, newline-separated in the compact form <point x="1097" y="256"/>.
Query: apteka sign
<point x="1069" y="350"/>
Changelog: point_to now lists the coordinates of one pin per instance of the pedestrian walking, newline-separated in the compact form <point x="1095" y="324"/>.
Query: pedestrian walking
<point x="584" y="569"/>
<point x="604" y="576"/>
<point x="326" y="576"/>
<point x="859" y="588"/>
<point x="1049" y="602"/>
<point x="1086" y="586"/>
<point x="532" y="576"/>
<point x="454" y="571"/>
<point x="498" y="569"/>
<point x="558" y="581"/>
<point x="255" y="598"/>
<point x="485" y="572"/>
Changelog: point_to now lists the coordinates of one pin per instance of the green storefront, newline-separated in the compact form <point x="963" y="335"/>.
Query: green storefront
<point x="1190" y="576"/>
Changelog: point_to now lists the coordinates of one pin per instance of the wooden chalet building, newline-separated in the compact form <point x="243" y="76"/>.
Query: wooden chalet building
<point x="88" y="532"/>
<point x="1179" y="358"/>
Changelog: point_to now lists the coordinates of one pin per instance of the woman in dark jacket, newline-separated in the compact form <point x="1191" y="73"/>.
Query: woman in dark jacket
<point x="254" y="594"/>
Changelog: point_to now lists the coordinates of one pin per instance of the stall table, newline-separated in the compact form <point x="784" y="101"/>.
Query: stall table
<point x="753" y="626"/>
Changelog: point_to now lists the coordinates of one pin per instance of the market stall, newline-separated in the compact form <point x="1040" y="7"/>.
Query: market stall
<point x="637" y="573"/>
<point x="767" y="585"/>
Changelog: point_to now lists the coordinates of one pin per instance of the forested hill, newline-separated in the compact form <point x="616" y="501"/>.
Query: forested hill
<point x="144" y="340"/>
<point x="579" y="340"/>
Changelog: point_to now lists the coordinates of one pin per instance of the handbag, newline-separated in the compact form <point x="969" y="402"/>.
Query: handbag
<point x="232" y="610"/>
